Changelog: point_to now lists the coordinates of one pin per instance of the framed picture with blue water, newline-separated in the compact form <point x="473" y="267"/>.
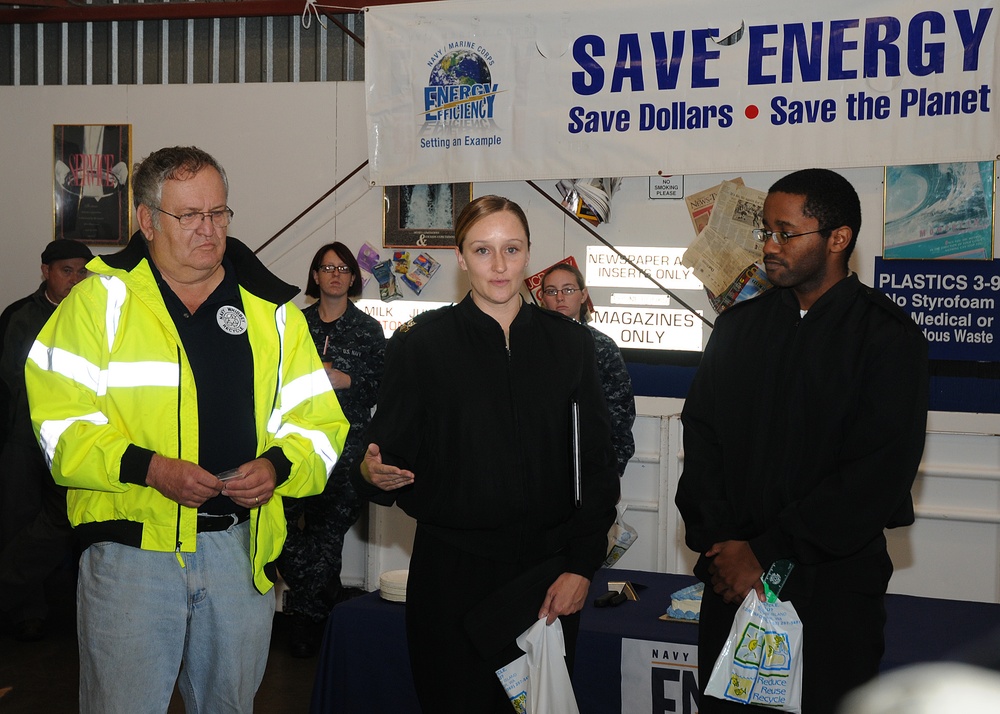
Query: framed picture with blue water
<point x="423" y="215"/>
<point x="939" y="211"/>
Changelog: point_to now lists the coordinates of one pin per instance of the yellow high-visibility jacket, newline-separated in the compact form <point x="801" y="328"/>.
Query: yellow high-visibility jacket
<point x="108" y="379"/>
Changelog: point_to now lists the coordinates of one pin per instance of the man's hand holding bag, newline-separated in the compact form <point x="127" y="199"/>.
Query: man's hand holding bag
<point x="761" y="662"/>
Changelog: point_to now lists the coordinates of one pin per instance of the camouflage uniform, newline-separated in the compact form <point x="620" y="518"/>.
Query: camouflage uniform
<point x="618" y="394"/>
<point x="311" y="560"/>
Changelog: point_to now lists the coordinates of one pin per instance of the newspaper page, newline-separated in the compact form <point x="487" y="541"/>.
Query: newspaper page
<point x="700" y="204"/>
<point x="725" y="247"/>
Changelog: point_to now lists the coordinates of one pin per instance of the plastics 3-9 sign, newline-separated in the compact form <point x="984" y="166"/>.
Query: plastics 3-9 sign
<point x="954" y="303"/>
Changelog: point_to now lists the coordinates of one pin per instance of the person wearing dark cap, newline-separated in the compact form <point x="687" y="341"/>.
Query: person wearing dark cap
<point x="35" y="536"/>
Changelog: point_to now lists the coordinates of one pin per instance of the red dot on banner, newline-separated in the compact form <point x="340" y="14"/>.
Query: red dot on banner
<point x="751" y="111"/>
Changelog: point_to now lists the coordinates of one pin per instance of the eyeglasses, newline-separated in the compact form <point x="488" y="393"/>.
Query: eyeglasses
<point x="188" y="221"/>
<point x="780" y="237"/>
<point x="568" y="292"/>
<point x="334" y="268"/>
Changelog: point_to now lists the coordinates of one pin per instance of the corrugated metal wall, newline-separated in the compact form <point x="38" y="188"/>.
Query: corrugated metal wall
<point x="203" y="51"/>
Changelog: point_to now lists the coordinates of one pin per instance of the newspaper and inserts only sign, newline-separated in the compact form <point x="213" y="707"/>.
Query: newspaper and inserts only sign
<point x="953" y="302"/>
<point x="607" y="269"/>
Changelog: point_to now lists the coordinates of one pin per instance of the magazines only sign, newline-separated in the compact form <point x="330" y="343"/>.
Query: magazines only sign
<point x="953" y="302"/>
<point x="659" y="677"/>
<point x="485" y="91"/>
<point x="649" y="328"/>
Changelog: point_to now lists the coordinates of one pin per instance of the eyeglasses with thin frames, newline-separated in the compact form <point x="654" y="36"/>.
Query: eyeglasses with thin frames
<point x="334" y="268"/>
<point x="761" y="235"/>
<point x="568" y="292"/>
<point x="220" y="218"/>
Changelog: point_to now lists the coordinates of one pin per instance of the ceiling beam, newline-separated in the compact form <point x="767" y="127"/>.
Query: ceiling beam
<point x="43" y="11"/>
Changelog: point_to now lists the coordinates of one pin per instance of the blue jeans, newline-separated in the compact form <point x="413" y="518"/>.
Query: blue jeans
<point x="145" y="623"/>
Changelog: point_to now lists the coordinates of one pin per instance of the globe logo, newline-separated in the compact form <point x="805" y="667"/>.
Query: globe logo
<point x="460" y="67"/>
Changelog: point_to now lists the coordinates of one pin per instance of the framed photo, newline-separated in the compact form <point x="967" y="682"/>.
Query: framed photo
<point x="939" y="211"/>
<point x="423" y="215"/>
<point x="91" y="193"/>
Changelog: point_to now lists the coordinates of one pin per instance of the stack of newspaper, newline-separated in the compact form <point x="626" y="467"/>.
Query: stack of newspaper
<point x="589" y="199"/>
<point x="725" y="256"/>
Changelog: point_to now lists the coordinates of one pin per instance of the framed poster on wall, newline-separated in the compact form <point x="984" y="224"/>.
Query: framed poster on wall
<point x="423" y="215"/>
<point x="939" y="211"/>
<point x="91" y="193"/>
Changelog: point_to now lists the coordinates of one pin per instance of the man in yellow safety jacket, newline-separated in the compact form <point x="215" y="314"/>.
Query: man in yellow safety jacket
<point x="178" y="395"/>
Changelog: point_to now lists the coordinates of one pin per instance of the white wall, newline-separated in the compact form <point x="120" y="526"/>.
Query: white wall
<point x="285" y="145"/>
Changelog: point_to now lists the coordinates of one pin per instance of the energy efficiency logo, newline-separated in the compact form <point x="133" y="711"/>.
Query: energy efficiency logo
<point x="460" y="89"/>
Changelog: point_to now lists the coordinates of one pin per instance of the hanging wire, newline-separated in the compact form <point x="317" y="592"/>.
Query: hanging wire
<point x="312" y="206"/>
<point x="312" y="8"/>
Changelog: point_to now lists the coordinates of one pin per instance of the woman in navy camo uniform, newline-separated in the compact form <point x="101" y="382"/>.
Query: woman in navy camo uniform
<point x="351" y="346"/>
<point x="564" y="291"/>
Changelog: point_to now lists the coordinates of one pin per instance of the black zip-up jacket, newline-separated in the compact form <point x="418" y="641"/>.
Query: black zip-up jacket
<point x="802" y="435"/>
<point x="486" y="432"/>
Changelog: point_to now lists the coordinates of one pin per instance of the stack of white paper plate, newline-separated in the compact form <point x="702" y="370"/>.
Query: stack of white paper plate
<point x="392" y="585"/>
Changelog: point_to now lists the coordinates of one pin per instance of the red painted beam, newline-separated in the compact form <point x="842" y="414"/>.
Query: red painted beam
<point x="42" y="11"/>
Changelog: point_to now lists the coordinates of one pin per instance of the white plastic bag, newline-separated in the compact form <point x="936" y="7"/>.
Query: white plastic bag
<point x="620" y="537"/>
<point x="761" y="662"/>
<point x="537" y="682"/>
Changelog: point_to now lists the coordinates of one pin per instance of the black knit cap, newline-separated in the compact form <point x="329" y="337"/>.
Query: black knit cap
<point x="65" y="249"/>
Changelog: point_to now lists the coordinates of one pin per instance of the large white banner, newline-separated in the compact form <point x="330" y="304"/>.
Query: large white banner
<point x="492" y="91"/>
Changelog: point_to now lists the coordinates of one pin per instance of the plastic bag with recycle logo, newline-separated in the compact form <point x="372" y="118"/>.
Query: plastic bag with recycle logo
<point x="761" y="661"/>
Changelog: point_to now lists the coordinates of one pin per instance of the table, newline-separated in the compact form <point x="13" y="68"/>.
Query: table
<point x="364" y="667"/>
<point x="363" y="663"/>
<point x="597" y="671"/>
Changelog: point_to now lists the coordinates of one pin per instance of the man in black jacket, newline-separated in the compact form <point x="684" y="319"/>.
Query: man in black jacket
<point x="803" y="431"/>
<point x="35" y="537"/>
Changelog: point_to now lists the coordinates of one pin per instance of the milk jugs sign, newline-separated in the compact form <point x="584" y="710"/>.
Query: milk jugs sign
<point x="659" y="677"/>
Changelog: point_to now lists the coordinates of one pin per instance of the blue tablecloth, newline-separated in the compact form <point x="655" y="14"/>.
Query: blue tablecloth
<point x="364" y="667"/>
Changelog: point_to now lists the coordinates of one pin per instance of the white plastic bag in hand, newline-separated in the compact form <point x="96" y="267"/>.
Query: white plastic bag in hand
<point x="761" y="661"/>
<point x="538" y="682"/>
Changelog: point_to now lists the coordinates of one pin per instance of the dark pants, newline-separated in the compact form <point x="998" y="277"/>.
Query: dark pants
<point x="37" y="537"/>
<point x="842" y="643"/>
<point x="450" y="673"/>
<point x="311" y="559"/>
